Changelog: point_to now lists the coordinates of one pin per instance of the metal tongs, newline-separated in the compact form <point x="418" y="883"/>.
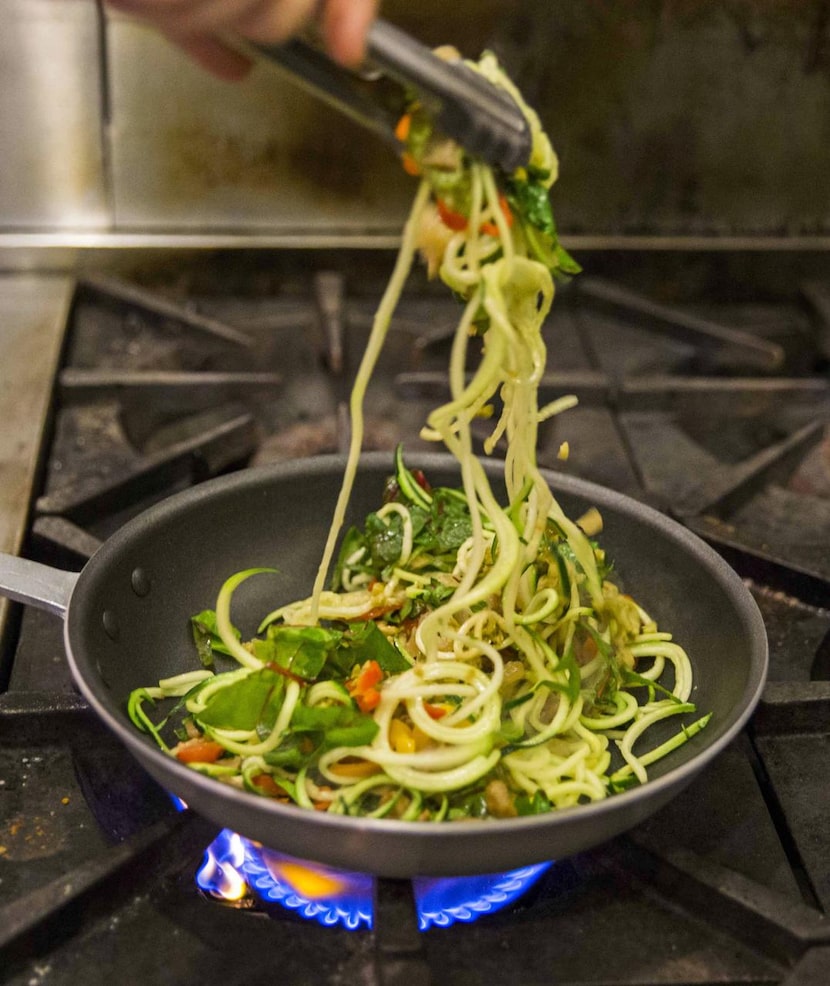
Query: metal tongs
<point x="483" y="119"/>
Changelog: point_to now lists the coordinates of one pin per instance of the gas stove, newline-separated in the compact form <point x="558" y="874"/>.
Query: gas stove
<point x="703" y="390"/>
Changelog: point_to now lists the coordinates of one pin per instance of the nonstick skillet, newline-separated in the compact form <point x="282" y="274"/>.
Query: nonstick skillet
<point x="126" y="624"/>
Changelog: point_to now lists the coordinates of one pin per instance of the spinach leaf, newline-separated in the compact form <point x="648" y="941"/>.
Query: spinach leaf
<point x="565" y="263"/>
<point x="363" y="641"/>
<point x="531" y="200"/>
<point x="338" y="725"/>
<point x="423" y="601"/>
<point x="538" y="804"/>
<point x="452" y="526"/>
<point x="301" y="650"/>
<point x="384" y="538"/>
<point x="471" y="804"/>
<point x="206" y="636"/>
<point x="294" y="752"/>
<point x="439" y="528"/>
<point x="447" y="525"/>
<point x="245" y="703"/>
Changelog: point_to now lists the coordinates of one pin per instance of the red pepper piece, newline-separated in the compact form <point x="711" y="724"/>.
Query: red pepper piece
<point x="363" y="686"/>
<point x="199" y="750"/>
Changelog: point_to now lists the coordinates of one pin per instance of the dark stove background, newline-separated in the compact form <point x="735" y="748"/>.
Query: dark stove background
<point x="703" y="389"/>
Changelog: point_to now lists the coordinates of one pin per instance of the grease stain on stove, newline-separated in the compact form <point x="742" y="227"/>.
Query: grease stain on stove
<point x="319" y="161"/>
<point x="210" y="160"/>
<point x="32" y="837"/>
<point x="39" y="972"/>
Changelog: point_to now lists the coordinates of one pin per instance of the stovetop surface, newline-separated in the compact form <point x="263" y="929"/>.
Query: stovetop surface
<point x="713" y="408"/>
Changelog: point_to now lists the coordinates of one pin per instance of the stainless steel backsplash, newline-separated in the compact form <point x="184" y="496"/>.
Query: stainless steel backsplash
<point x="671" y="117"/>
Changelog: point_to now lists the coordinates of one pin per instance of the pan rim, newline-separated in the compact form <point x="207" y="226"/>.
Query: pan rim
<point x="143" y="748"/>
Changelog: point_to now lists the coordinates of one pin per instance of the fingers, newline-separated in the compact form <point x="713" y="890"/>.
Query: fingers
<point x="219" y="59"/>
<point x="197" y="25"/>
<point x="258" y="20"/>
<point x="269" y="21"/>
<point x="345" y="23"/>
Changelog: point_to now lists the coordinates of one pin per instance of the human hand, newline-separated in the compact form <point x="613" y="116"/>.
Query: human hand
<point x="197" y="26"/>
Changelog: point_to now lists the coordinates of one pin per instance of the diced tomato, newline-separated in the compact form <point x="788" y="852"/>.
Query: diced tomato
<point x="369" y="700"/>
<point x="449" y="217"/>
<point x="403" y="126"/>
<point x="267" y="784"/>
<point x="363" y="686"/>
<point x="456" y="221"/>
<point x="369" y="675"/>
<point x="434" y="711"/>
<point x="410" y="165"/>
<point x="199" y="750"/>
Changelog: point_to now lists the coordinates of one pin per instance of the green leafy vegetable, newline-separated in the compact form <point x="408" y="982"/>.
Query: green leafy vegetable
<point x="302" y="651"/>
<point x="438" y="529"/>
<point x="384" y="539"/>
<point x="206" y="637"/>
<point x="363" y="641"/>
<point x="530" y="201"/>
<point x="338" y="725"/>
<point x="537" y="804"/>
<point x="246" y="702"/>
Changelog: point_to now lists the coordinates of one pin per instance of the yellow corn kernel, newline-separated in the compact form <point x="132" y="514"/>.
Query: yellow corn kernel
<point x="401" y="737"/>
<point x="591" y="522"/>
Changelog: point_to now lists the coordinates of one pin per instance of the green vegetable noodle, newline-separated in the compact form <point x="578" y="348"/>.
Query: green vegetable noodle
<point x="457" y="657"/>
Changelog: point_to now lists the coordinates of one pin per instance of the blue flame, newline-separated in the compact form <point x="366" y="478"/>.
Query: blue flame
<point x="336" y="897"/>
<point x="178" y="804"/>
<point x="443" y="901"/>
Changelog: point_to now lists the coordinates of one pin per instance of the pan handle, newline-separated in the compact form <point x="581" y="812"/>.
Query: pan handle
<point x="28" y="581"/>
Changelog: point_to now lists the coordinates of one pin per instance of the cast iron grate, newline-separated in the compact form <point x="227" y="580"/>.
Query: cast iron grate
<point x="705" y="419"/>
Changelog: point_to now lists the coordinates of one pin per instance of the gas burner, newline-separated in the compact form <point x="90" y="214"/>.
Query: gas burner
<point x="235" y="867"/>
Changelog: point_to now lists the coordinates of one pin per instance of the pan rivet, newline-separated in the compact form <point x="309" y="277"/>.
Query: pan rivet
<point x="110" y="622"/>
<point x="140" y="581"/>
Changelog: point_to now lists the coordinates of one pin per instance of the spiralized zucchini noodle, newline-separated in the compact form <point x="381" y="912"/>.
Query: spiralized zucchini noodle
<point x="471" y="659"/>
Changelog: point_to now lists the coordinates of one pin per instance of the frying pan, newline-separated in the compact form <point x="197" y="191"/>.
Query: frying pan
<point x="126" y="624"/>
